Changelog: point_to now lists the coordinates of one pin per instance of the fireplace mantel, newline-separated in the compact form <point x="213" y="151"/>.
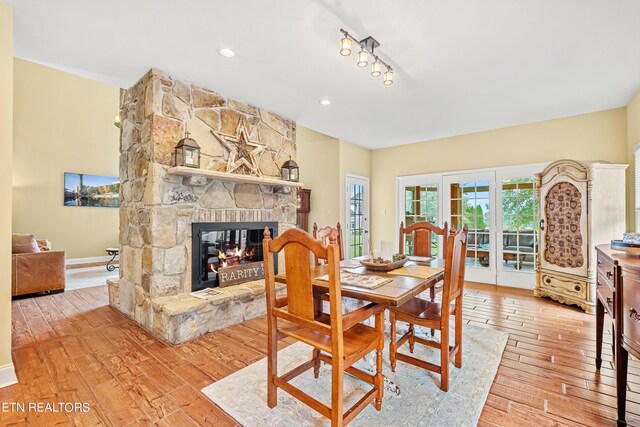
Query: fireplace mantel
<point x="232" y="177"/>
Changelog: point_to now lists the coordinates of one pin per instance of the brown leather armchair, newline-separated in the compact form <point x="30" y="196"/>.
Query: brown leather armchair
<point x="38" y="271"/>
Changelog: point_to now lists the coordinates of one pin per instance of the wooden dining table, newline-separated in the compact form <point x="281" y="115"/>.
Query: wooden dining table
<point x="394" y="293"/>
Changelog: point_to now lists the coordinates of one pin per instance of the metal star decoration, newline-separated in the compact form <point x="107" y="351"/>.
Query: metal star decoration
<point x="242" y="150"/>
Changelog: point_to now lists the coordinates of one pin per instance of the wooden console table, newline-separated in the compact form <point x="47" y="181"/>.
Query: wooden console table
<point x="618" y="300"/>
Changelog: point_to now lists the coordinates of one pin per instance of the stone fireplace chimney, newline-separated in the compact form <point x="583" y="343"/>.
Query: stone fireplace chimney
<point x="158" y="207"/>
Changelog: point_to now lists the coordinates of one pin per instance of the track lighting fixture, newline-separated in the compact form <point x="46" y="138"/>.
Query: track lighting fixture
<point x="367" y="46"/>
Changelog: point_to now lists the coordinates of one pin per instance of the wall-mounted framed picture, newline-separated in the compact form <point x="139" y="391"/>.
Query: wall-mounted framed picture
<point x="91" y="190"/>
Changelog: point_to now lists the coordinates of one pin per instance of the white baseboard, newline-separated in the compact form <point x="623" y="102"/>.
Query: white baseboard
<point x="88" y="260"/>
<point x="7" y="376"/>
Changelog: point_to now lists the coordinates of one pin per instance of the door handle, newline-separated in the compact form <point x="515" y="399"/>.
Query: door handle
<point x="542" y="224"/>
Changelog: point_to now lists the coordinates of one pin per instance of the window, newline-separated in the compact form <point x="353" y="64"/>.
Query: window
<point x="421" y="204"/>
<point x="519" y="223"/>
<point x="357" y="219"/>
<point x="470" y="206"/>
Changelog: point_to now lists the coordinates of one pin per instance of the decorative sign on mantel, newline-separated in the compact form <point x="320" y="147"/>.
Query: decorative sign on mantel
<point x="235" y="274"/>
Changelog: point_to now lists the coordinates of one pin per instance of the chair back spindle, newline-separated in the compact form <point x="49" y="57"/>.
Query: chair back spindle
<point x="422" y="243"/>
<point x="454" y="266"/>
<point x="299" y="287"/>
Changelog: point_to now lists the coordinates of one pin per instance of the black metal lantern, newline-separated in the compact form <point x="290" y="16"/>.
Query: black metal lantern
<point x="290" y="171"/>
<point x="188" y="152"/>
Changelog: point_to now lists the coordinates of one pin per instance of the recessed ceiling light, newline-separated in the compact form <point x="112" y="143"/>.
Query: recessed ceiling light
<point x="325" y="102"/>
<point x="227" y="52"/>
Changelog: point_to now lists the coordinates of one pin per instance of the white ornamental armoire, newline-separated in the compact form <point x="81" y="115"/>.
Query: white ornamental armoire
<point x="581" y="205"/>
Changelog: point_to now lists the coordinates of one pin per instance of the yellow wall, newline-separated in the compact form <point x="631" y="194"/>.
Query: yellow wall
<point x="317" y="155"/>
<point x="6" y="143"/>
<point x="633" y="138"/>
<point x="595" y="136"/>
<point x="62" y="123"/>
<point x="324" y="164"/>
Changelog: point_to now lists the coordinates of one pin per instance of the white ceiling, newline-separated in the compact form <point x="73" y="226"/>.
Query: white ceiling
<point x="461" y="65"/>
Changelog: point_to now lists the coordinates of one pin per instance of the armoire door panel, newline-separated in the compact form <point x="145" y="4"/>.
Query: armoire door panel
<point x="564" y="240"/>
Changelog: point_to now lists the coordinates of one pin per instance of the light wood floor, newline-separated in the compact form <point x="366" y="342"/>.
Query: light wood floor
<point x="73" y="347"/>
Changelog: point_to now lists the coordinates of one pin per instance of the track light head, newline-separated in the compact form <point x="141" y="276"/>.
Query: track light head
<point x="388" y="77"/>
<point x="363" y="58"/>
<point x="345" y="46"/>
<point x="376" y="68"/>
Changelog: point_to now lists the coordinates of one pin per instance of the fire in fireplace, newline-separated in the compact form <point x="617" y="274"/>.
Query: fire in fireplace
<point x="229" y="258"/>
<point x="227" y="253"/>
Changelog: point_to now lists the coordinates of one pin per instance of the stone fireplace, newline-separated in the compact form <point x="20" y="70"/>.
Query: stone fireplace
<point x="160" y="208"/>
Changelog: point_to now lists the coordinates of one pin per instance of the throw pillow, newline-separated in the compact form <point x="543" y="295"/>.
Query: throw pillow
<point x="24" y="244"/>
<point x="44" y="244"/>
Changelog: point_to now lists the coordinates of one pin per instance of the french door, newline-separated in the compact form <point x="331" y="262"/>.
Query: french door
<point x="499" y="207"/>
<point x="517" y="226"/>
<point x="357" y="220"/>
<point x="469" y="199"/>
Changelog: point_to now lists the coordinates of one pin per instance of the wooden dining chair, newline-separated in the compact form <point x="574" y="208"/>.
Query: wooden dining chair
<point x="337" y="339"/>
<point x="422" y="239"/>
<point x="322" y="234"/>
<point x="422" y="233"/>
<point x="434" y="315"/>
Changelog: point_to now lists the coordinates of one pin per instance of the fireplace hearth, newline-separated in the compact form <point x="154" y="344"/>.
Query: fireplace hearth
<point x="227" y="253"/>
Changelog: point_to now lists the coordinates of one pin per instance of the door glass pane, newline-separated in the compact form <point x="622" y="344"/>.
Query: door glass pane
<point x="470" y="206"/>
<point x="519" y="224"/>
<point x="421" y="204"/>
<point x="356" y="218"/>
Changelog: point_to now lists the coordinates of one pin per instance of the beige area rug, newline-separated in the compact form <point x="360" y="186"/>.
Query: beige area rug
<point x="420" y="403"/>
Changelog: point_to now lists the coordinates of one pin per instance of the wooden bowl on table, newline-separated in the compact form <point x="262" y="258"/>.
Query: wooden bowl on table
<point x="378" y="264"/>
